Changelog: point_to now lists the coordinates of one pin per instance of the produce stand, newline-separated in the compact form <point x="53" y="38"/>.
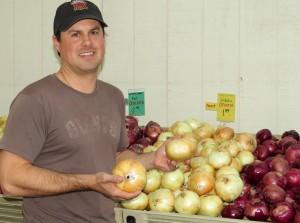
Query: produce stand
<point x="11" y="212"/>
<point x="133" y="216"/>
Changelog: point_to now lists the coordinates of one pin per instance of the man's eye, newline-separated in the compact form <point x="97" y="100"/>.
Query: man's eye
<point x="75" y="34"/>
<point x="95" y="32"/>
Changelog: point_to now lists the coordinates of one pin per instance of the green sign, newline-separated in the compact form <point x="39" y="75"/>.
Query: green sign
<point x="136" y="102"/>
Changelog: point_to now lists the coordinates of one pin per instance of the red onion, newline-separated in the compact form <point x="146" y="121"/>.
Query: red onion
<point x="263" y="135"/>
<point x="293" y="180"/>
<point x="152" y="131"/>
<point x="232" y="211"/>
<point x="131" y="121"/>
<point x="282" y="212"/>
<point x="256" y="170"/>
<point x="273" y="193"/>
<point x="271" y="145"/>
<point x="134" y="133"/>
<point x="261" y="152"/>
<point x="292" y="155"/>
<point x="241" y="201"/>
<point x="274" y="177"/>
<point x="292" y="133"/>
<point x="280" y="164"/>
<point x="285" y="142"/>
<point x="257" y="209"/>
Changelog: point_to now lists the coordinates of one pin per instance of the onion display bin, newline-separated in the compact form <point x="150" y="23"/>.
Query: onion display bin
<point x="133" y="216"/>
<point x="11" y="212"/>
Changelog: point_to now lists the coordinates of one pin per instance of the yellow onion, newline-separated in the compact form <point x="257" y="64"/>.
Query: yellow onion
<point x="210" y="205"/>
<point x="153" y="181"/>
<point x="223" y="133"/>
<point x="201" y="182"/>
<point x="172" y="180"/>
<point x="232" y="146"/>
<point x="194" y="123"/>
<point x="162" y="200"/>
<point x="198" y="161"/>
<point x="180" y="149"/>
<point x="134" y="175"/>
<point x="245" y="157"/>
<point x="229" y="187"/>
<point x="247" y="140"/>
<point x="138" y="203"/>
<point x="218" y="159"/>
<point x="187" y="202"/>
<point x="204" y="132"/>
<point x="181" y="127"/>
<point x="226" y="170"/>
<point x="206" y="167"/>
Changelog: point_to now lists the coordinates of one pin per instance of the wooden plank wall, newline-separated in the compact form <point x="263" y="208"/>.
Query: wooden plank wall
<point x="183" y="53"/>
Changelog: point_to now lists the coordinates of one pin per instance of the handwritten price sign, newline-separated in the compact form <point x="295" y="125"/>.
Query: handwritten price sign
<point x="226" y="107"/>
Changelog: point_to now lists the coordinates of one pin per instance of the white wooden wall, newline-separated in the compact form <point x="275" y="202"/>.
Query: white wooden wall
<point x="182" y="52"/>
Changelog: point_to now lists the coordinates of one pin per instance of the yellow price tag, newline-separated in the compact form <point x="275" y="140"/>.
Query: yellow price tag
<point x="226" y="107"/>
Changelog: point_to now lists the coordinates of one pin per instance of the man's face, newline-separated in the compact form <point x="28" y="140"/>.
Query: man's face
<point x="82" y="46"/>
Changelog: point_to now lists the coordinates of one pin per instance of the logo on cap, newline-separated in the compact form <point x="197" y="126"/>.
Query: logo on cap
<point x="78" y="5"/>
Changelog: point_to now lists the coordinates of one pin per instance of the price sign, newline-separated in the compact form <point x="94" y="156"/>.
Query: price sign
<point x="226" y="107"/>
<point x="136" y="102"/>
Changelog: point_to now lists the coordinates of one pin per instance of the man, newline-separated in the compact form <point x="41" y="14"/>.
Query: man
<point x="65" y="132"/>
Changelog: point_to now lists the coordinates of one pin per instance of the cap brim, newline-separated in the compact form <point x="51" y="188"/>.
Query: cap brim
<point x="71" y="21"/>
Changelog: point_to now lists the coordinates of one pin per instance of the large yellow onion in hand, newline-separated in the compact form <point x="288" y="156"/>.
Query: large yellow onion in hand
<point x="134" y="175"/>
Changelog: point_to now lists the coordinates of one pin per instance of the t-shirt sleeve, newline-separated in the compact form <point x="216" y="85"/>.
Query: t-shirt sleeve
<point x="25" y="128"/>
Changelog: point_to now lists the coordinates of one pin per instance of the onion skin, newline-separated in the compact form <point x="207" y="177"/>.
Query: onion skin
<point x="134" y="175"/>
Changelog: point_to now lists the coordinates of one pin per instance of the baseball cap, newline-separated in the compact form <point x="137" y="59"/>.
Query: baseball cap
<point x="73" y="11"/>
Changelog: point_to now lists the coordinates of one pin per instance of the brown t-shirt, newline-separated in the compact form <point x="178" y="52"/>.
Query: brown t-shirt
<point x="56" y="127"/>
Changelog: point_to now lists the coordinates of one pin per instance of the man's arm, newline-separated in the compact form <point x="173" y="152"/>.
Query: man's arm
<point x="19" y="178"/>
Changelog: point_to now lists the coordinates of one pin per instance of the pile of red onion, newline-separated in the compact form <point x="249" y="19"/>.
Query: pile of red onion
<point x="140" y="137"/>
<point x="272" y="182"/>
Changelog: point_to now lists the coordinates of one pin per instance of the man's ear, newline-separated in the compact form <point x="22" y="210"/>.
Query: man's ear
<point x="55" y="43"/>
